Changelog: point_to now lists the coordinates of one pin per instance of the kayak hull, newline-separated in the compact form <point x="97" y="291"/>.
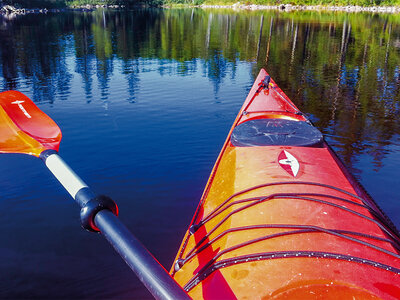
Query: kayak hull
<point x="282" y="218"/>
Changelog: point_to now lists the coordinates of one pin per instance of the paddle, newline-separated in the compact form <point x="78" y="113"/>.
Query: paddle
<point x="25" y="129"/>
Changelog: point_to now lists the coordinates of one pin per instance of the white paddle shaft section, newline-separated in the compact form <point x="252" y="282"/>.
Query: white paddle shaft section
<point x="65" y="175"/>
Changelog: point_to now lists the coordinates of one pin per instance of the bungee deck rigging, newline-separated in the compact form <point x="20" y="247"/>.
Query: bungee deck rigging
<point x="200" y="246"/>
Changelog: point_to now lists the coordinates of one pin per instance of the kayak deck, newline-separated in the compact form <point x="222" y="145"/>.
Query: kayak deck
<point x="281" y="217"/>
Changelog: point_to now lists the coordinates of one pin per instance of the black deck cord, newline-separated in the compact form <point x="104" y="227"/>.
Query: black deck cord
<point x="304" y="229"/>
<point x="378" y="214"/>
<point x="294" y="107"/>
<point x="372" y="210"/>
<point x="292" y="197"/>
<point x="217" y="212"/>
<point x="283" y="183"/>
<point x="264" y="84"/>
<point x="386" y="228"/>
<point x="280" y="234"/>
<point x="273" y="197"/>
<point x="283" y="254"/>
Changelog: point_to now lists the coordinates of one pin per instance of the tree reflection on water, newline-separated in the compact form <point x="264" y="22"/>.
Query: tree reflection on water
<point x="341" y="69"/>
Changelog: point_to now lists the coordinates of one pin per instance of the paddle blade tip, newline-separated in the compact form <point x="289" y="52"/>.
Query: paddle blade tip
<point x="24" y="128"/>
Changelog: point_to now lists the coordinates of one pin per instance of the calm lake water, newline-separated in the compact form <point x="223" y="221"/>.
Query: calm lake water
<point x="145" y="100"/>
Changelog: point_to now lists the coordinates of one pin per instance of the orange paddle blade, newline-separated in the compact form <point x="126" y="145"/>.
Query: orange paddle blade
<point x="24" y="128"/>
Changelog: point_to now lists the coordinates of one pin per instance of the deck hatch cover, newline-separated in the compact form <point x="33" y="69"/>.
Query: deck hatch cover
<point x="276" y="132"/>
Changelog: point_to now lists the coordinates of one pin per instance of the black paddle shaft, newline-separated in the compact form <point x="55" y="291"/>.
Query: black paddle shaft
<point x="99" y="213"/>
<point x="156" y="279"/>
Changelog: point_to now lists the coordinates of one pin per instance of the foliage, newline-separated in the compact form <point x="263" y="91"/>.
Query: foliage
<point x="65" y="3"/>
<point x="36" y="3"/>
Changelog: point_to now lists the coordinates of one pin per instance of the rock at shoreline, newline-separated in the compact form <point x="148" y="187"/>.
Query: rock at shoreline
<point x="93" y="7"/>
<point x="10" y="12"/>
<point x="9" y="9"/>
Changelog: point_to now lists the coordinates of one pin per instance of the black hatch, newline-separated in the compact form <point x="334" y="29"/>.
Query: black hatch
<point x="276" y="132"/>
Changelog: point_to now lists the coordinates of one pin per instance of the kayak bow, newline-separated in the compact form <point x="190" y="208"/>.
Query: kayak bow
<point x="281" y="217"/>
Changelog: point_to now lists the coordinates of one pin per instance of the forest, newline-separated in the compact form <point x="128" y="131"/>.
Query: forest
<point x="68" y="3"/>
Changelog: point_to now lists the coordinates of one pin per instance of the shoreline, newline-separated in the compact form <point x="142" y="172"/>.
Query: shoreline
<point x="10" y="12"/>
<point x="9" y="9"/>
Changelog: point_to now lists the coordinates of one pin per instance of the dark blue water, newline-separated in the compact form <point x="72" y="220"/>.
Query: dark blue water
<point x="145" y="100"/>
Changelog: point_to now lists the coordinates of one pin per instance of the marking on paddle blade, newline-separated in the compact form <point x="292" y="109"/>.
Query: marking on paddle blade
<point x="289" y="163"/>
<point x="19" y="103"/>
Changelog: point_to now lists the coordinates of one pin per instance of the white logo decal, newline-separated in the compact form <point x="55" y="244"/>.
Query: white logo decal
<point x="289" y="163"/>
<point x="19" y="103"/>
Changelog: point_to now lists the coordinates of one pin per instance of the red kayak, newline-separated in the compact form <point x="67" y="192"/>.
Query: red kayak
<point x="282" y="218"/>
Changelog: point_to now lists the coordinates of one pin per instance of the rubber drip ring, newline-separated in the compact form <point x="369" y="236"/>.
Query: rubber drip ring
<point x="92" y="207"/>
